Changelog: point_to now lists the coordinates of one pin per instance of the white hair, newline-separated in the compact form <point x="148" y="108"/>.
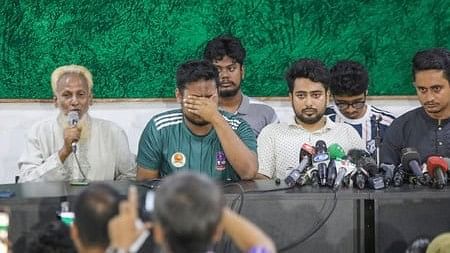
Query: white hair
<point x="77" y="69"/>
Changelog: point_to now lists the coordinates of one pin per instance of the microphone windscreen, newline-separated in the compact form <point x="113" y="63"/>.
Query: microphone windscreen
<point x="321" y="146"/>
<point x="408" y="155"/>
<point x="308" y="149"/>
<point x="434" y="162"/>
<point x="336" y="151"/>
<point x="355" y="155"/>
<point x="73" y="118"/>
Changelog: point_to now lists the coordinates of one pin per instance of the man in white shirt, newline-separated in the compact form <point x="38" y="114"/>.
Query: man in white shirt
<point x="279" y="144"/>
<point x="102" y="150"/>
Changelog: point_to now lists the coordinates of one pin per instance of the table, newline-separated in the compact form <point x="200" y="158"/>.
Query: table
<point x="361" y="221"/>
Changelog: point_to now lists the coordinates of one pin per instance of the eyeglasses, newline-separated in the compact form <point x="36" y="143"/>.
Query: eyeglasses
<point x="345" y="105"/>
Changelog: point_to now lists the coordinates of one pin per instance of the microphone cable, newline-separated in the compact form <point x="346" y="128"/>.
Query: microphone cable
<point x="236" y="199"/>
<point x="314" y="229"/>
<point x="79" y="167"/>
<point x="317" y="225"/>
<point x="226" y="241"/>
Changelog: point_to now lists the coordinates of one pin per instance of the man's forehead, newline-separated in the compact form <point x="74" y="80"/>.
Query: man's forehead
<point x="224" y="61"/>
<point x="201" y="85"/>
<point x="72" y="80"/>
<point x="350" y="98"/>
<point x="307" y="84"/>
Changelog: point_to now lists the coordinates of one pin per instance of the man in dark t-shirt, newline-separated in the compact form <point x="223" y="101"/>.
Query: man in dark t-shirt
<point x="426" y="128"/>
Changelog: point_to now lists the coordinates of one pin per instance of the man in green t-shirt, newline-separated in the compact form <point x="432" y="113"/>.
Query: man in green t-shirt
<point x="198" y="136"/>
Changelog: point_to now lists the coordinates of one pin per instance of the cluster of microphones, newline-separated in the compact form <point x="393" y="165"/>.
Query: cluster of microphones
<point x="324" y="166"/>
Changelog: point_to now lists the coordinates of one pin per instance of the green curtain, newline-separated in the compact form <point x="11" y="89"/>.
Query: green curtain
<point x="133" y="47"/>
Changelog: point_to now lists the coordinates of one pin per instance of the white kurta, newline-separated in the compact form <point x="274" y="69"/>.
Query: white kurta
<point x="103" y="152"/>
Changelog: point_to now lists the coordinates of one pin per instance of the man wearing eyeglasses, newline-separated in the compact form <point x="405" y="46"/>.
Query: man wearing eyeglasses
<point x="228" y="54"/>
<point x="348" y="86"/>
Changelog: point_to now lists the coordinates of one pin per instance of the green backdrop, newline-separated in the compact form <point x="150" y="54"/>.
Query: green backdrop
<point x="134" y="46"/>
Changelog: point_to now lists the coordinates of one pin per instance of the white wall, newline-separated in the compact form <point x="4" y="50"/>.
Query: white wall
<point x="16" y="118"/>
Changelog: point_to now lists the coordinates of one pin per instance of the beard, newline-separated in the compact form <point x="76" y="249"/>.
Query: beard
<point x="309" y="120"/>
<point x="433" y="107"/>
<point x="303" y="117"/>
<point x="229" y="91"/>
<point x="195" y="120"/>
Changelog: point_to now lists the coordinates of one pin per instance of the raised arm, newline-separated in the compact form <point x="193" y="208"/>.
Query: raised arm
<point x="42" y="162"/>
<point x="245" y="234"/>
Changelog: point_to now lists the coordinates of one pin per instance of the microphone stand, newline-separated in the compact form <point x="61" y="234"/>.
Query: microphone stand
<point x="378" y="139"/>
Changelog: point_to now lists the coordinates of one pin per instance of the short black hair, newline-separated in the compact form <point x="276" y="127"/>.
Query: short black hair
<point x="196" y="70"/>
<point x="434" y="58"/>
<point x="94" y="208"/>
<point x="189" y="206"/>
<point x="225" y="45"/>
<point x="53" y="237"/>
<point x="348" y="78"/>
<point x="311" y="69"/>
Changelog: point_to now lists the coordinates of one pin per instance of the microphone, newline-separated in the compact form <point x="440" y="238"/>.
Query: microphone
<point x="359" y="177"/>
<point x="410" y="160"/>
<point x="399" y="176"/>
<point x="332" y="173"/>
<point x="375" y="179"/>
<point x="437" y="168"/>
<point x="306" y="152"/>
<point x="321" y="160"/>
<point x="73" y="118"/>
<point x="336" y="153"/>
<point x="356" y="156"/>
<point x="388" y="171"/>
<point x="344" y="168"/>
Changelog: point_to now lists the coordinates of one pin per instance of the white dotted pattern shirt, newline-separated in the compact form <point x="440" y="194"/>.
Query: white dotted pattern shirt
<point x="279" y="144"/>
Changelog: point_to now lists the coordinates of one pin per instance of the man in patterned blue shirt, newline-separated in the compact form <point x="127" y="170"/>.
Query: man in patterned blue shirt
<point x="198" y="136"/>
<point x="348" y="86"/>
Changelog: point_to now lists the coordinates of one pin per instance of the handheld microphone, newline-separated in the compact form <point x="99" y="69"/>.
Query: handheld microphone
<point x="399" y="176"/>
<point x="73" y="118"/>
<point x="332" y="173"/>
<point x="388" y="171"/>
<point x="359" y="178"/>
<point x="321" y="160"/>
<point x="375" y="179"/>
<point x="344" y="168"/>
<point x="336" y="153"/>
<point x="437" y="168"/>
<point x="306" y="153"/>
<point x="410" y="160"/>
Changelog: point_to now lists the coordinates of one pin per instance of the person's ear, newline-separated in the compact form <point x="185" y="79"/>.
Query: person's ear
<point x="290" y="97"/>
<point x="242" y="72"/>
<point x="327" y="97"/>
<point x="179" y="95"/>
<point x="55" y="101"/>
